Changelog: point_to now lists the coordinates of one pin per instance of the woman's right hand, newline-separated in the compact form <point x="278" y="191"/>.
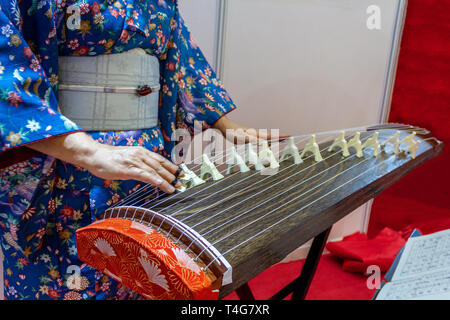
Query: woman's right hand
<point x="110" y="162"/>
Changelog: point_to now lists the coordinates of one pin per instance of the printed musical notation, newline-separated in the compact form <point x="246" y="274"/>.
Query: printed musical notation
<point x="423" y="271"/>
<point x="424" y="254"/>
<point x="435" y="286"/>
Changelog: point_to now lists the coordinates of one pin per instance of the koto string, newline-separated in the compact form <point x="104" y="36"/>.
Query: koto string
<point x="271" y="186"/>
<point x="132" y="196"/>
<point x="233" y="184"/>
<point x="194" y="214"/>
<point x="196" y="202"/>
<point x="251" y="209"/>
<point x="173" y="195"/>
<point x="128" y="199"/>
<point x="290" y="215"/>
<point x="141" y="195"/>
<point x="284" y="204"/>
<point x="202" y="190"/>
<point x="270" y="212"/>
<point x="242" y="201"/>
<point x="306" y="136"/>
<point x="190" y="196"/>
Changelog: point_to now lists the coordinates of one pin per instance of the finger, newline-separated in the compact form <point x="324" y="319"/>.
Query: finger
<point x="148" y="175"/>
<point x="161" y="171"/>
<point x="169" y="166"/>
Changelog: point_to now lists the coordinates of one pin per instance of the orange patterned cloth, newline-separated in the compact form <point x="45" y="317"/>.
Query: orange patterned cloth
<point x="143" y="260"/>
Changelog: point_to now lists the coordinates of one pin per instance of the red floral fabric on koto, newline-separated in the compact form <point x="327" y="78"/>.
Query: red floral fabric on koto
<point x="143" y="260"/>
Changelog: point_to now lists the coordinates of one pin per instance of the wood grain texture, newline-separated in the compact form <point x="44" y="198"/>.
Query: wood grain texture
<point x="255" y="220"/>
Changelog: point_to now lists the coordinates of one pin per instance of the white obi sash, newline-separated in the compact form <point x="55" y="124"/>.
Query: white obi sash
<point x="110" y="92"/>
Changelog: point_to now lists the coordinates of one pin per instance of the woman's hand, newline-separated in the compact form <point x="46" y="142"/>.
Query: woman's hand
<point x="241" y="134"/>
<point x="111" y="163"/>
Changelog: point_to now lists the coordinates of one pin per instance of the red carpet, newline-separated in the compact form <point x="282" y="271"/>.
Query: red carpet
<point x="421" y="199"/>
<point x="330" y="282"/>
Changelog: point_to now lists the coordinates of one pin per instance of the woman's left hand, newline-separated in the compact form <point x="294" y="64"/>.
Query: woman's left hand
<point x="241" y="134"/>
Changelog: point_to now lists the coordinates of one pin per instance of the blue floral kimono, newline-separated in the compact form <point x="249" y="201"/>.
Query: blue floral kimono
<point x="43" y="201"/>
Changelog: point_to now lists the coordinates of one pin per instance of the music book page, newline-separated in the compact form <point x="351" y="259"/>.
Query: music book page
<point x="423" y="271"/>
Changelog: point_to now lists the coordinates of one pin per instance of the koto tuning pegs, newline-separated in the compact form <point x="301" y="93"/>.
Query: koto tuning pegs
<point x="209" y="168"/>
<point x="237" y="160"/>
<point x="413" y="144"/>
<point x="252" y="158"/>
<point x="341" y="143"/>
<point x="355" y="142"/>
<point x="312" y="147"/>
<point x="189" y="178"/>
<point x="266" y="155"/>
<point x="373" y="142"/>
<point x="395" y="141"/>
<point x="291" y="150"/>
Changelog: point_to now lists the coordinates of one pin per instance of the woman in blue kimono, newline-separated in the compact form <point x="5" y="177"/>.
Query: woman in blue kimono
<point x="55" y="176"/>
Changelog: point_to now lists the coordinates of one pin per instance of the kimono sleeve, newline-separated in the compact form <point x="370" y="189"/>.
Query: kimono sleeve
<point x="28" y="104"/>
<point x="201" y="97"/>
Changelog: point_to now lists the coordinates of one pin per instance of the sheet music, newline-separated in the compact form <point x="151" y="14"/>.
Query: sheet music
<point x="434" y="286"/>
<point x="423" y="271"/>
<point x="424" y="254"/>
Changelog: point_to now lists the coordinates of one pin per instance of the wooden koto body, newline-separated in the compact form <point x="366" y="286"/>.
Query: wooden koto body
<point x="237" y="227"/>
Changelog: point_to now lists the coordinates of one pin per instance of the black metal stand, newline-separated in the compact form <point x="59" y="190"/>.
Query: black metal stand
<point x="300" y="286"/>
<point x="245" y="293"/>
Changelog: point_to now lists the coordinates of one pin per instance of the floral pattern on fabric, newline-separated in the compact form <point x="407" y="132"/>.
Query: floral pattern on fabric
<point x="44" y="201"/>
<point x="143" y="259"/>
<point x="191" y="96"/>
<point x="42" y="204"/>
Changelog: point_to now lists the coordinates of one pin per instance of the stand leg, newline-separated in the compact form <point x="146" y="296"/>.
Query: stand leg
<point x="299" y="287"/>
<point x="245" y="293"/>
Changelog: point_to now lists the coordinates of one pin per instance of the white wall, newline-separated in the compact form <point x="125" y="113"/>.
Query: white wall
<point x="201" y="17"/>
<point x="311" y="65"/>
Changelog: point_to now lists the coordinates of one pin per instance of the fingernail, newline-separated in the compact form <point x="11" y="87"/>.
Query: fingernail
<point x="178" y="184"/>
<point x="171" y="189"/>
